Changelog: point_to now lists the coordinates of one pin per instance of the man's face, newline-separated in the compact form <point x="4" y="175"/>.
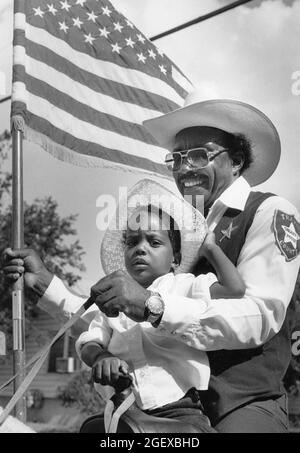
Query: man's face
<point x="210" y="181"/>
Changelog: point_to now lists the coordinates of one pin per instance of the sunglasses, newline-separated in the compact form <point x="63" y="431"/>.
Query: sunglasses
<point x="195" y="157"/>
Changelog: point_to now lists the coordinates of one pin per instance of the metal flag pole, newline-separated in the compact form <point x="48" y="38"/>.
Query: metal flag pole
<point x="18" y="288"/>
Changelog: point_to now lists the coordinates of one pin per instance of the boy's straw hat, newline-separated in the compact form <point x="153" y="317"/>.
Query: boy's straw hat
<point x="189" y="220"/>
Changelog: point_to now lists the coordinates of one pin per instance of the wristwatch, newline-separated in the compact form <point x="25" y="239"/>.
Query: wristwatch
<point x="154" y="307"/>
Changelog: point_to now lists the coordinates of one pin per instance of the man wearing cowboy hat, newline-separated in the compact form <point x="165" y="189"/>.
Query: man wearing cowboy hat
<point x="217" y="150"/>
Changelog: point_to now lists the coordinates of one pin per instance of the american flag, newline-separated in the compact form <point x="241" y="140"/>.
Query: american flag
<point x="84" y="80"/>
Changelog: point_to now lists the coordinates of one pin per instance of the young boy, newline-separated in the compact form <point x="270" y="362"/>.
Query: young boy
<point x="164" y="371"/>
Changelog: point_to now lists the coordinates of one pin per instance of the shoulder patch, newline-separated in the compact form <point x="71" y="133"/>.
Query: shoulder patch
<point x="287" y="234"/>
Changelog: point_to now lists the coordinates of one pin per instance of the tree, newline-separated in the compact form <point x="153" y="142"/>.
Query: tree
<point x="49" y="234"/>
<point x="80" y="392"/>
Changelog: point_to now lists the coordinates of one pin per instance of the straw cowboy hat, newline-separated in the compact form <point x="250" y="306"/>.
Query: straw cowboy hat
<point x="231" y="116"/>
<point x="189" y="220"/>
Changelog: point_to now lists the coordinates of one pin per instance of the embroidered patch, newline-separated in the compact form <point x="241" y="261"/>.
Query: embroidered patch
<point x="287" y="234"/>
<point x="227" y="233"/>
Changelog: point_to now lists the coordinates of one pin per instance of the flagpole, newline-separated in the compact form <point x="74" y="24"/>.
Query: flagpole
<point x="18" y="288"/>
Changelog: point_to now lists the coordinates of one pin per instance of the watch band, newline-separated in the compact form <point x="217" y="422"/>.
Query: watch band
<point x="154" y="308"/>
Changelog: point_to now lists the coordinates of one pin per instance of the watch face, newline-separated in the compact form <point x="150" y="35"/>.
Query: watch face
<point x="155" y="305"/>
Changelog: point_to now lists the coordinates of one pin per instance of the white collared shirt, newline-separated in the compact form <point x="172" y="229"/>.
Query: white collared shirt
<point x="223" y="323"/>
<point x="162" y="368"/>
<point x="269" y="278"/>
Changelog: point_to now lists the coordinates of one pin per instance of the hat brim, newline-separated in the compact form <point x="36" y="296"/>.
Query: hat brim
<point x="231" y="116"/>
<point x="190" y="221"/>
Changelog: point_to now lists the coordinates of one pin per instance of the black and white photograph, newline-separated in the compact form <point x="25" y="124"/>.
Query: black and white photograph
<point x="150" y="226"/>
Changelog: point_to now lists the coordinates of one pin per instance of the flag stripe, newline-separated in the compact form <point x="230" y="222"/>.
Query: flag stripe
<point x="105" y="69"/>
<point x="92" y="114"/>
<point x="81" y="129"/>
<point x="104" y="103"/>
<point x="92" y="149"/>
<point x="97" y="84"/>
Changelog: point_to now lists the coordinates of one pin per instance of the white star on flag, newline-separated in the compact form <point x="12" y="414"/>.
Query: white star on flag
<point x="141" y="57"/>
<point x="163" y="69"/>
<point x="38" y="12"/>
<point x="63" y="26"/>
<point x="141" y="38"/>
<point x="89" y="38"/>
<point x="290" y="235"/>
<point x="80" y="2"/>
<point x="116" y="47"/>
<point x="152" y="54"/>
<point x="65" y="5"/>
<point x="104" y="32"/>
<point x="52" y="9"/>
<point x="118" y="26"/>
<point x="160" y="52"/>
<point x="77" y="22"/>
<point x="106" y="11"/>
<point x="129" y="23"/>
<point x="129" y="42"/>
<point x="92" y="16"/>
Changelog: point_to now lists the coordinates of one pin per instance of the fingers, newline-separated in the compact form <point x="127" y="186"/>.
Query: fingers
<point x="112" y="308"/>
<point x="7" y="252"/>
<point x="106" y="283"/>
<point x="14" y="266"/>
<point x="97" y="373"/>
<point x="107" y="371"/>
<point x="13" y="273"/>
<point x="11" y="278"/>
<point x="17" y="253"/>
<point x="13" y="270"/>
<point x="108" y="303"/>
<point x="104" y="297"/>
<point x="101" y="286"/>
<point x="12" y="263"/>
<point x="114" y="370"/>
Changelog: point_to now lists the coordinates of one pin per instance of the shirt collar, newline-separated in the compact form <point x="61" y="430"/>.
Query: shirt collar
<point x="236" y="195"/>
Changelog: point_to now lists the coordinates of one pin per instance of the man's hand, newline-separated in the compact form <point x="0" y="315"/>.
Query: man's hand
<point x="37" y="278"/>
<point x="118" y="292"/>
<point x="107" y="371"/>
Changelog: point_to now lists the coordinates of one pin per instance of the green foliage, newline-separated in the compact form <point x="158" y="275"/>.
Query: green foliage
<point x="81" y="393"/>
<point x="51" y="235"/>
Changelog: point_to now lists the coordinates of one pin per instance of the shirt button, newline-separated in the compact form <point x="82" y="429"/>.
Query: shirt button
<point x="174" y="332"/>
<point x="184" y="337"/>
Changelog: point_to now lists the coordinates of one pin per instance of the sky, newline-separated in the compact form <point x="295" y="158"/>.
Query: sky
<point x="251" y="53"/>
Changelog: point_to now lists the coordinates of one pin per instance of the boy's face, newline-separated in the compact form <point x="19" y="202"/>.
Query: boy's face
<point x="148" y="249"/>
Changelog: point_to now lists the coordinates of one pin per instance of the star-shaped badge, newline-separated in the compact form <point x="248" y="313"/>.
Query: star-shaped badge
<point x="227" y="233"/>
<point x="290" y="235"/>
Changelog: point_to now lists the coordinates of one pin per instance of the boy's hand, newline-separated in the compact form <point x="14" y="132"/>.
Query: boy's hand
<point x="208" y="244"/>
<point x="107" y="371"/>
